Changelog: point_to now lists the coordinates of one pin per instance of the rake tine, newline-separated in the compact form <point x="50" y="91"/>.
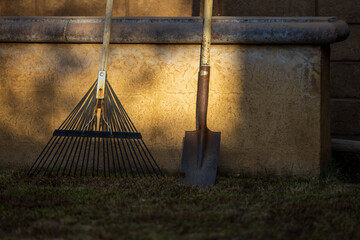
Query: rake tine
<point x="52" y="149"/>
<point x="113" y="157"/>
<point x="78" y="106"/>
<point x="83" y="158"/>
<point x="64" y="156"/>
<point x="93" y="169"/>
<point x="117" y="156"/>
<point x="65" y="125"/>
<point x="122" y="109"/>
<point x="88" y="156"/>
<point x="112" y="141"/>
<point x="152" y="158"/>
<point x="58" y="156"/>
<point x="104" y="161"/>
<point x="124" y="152"/>
<point x="132" y="157"/>
<point x="43" y="151"/>
<point x="98" y="156"/>
<point x="142" y="157"/>
<point x="137" y="158"/>
<point x="127" y="142"/>
<point x="108" y="157"/>
<point x="73" y="160"/>
<point x="127" y="157"/>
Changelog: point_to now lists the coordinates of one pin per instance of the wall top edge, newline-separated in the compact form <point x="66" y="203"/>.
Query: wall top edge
<point x="180" y="30"/>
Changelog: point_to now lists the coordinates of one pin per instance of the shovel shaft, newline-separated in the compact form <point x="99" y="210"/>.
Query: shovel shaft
<point x="202" y="97"/>
<point x="206" y="41"/>
<point x="204" y="73"/>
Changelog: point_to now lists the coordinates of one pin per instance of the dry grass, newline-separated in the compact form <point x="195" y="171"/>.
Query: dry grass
<point x="243" y="207"/>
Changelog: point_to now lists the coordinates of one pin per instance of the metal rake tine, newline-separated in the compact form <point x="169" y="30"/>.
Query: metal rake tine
<point x="136" y="156"/>
<point x="113" y="157"/>
<point x="104" y="153"/>
<point x="78" y="105"/>
<point x="120" y="108"/>
<point x="98" y="156"/>
<point x="58" y="156"/>
<point x="141" y="152"/>
<point x="52" y="149"/>
<point x="42" y="152"/>
<point x="64" y="157"/>
<point x="112" y="140"/>
<point x="75" y="153"/>
<point x="66" y="123"/>
<point x="107" y="154"/>
<point x="152" y="158"/>
<point x="127" y="157"/>
<point x="88" y="155"/>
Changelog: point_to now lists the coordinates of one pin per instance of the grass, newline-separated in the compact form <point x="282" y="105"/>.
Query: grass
<point x="243" y="207"/>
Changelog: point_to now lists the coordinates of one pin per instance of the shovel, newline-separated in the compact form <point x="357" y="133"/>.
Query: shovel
<point x="201" y="147"/>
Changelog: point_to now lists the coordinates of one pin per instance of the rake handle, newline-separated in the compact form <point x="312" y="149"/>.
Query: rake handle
<point x="106" y="38"/>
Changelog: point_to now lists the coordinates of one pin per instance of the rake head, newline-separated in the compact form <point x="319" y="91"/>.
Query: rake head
<point x="91" y="142"/>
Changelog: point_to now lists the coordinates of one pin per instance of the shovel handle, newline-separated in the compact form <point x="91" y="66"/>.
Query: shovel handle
<point x="203" y="97"/>
<point x="206" y="41"/>
<point x="106" y="38"/>
<point x="204" y="73"/>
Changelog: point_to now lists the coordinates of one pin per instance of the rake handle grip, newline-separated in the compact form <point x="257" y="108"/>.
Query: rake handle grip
<point x="106" y="38"/>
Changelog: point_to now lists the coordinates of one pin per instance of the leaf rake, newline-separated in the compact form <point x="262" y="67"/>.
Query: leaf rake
<point x="98" y="137"/>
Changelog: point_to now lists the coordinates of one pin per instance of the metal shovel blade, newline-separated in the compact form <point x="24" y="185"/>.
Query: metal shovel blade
<point x="203" y="174"/>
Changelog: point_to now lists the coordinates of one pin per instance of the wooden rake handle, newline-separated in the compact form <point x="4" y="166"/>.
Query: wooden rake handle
<point x="106" y="38"/>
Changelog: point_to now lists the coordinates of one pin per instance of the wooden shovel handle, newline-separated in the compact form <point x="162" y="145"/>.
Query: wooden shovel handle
<point x="202" y="97"/>
<point x="106" y="38"/>
<point x="206" y="41"/>
<point x="204" y="73"/>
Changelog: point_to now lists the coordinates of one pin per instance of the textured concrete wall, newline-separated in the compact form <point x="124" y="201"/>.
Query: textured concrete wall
<point x="162" y="8"/>
<point x="344" y="55"/>
<point x="265" y="100"/>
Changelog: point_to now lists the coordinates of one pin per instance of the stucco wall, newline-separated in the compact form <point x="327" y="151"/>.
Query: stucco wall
<point x="265" y="100"/>
<point x="345" y="57"/>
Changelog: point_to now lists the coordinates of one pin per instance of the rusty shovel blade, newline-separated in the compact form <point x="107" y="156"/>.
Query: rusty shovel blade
<point x="200" y="158"/>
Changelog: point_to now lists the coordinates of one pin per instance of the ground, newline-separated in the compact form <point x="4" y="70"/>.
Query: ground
<point x="241" y="207"/>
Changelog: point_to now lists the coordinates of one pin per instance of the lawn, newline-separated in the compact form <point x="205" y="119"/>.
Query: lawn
<point x="241" y="207"/>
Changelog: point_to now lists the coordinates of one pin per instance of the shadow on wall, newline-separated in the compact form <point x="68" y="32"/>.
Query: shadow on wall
<point x="157" y="8"/>
<point x="266" y="108"/>
<point x="44" y="82"/>
<point x="135" y="8"/>
<point x="33" y="79"/>
<point x="254" y="99"/>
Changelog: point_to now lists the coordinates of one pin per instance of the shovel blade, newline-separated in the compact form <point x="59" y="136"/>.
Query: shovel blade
<point x="190" y="173"/>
